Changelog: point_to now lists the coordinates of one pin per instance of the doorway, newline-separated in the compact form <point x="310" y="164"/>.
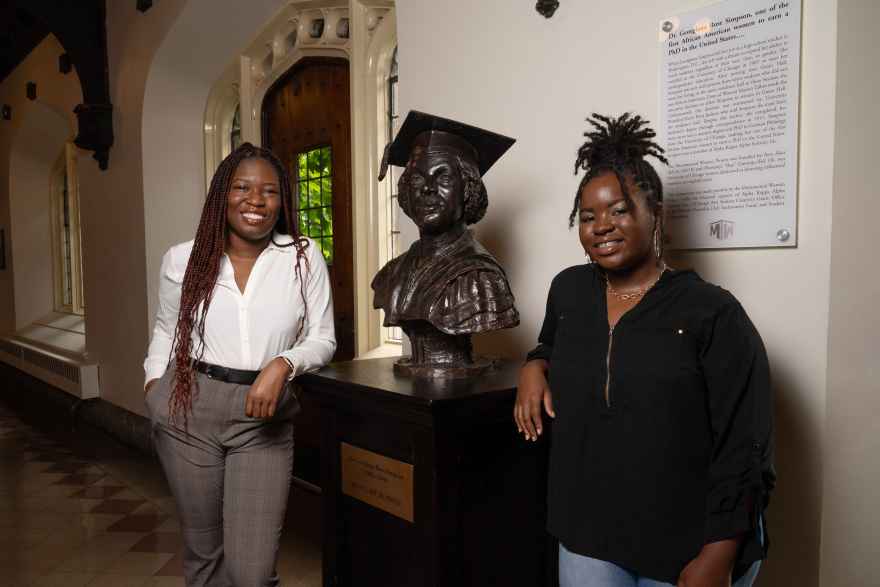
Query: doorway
<point x="307" y="124"/>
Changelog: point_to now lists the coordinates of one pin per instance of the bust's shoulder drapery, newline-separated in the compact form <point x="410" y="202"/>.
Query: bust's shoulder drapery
<point x="463" y="290"/>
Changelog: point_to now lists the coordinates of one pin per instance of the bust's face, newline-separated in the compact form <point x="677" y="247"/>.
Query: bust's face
<point x="434" y="191"/>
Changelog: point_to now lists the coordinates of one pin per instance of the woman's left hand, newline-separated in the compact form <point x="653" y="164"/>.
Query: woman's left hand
<point x="262" y="397"/>
<point x="712" y="567"/>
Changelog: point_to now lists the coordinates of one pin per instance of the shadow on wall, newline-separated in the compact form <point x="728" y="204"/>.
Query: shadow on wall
<point x="511" y="343"/>
<point x="795" y="508"/>
<point x="794" y="516"/>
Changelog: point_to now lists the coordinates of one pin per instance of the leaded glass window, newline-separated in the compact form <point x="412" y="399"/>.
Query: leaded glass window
<point x="66" y="251"/>
<point x="235" y="130"/>
<point x="394" y="333"/>
<point x="314" y="190"/>
<point x="393" y="122"/>
<point x="65" y="240"/>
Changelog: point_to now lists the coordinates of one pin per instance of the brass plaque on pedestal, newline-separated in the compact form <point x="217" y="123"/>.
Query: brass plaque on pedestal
<point x="382" y="482"/>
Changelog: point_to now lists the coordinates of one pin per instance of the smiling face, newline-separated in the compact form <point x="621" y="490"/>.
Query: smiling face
<point x="254" y="201"/>
<point x="434" y="191"/>
<point x="617" y="234"/>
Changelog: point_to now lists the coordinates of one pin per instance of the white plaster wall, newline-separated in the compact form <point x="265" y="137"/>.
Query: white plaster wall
<point x="850" y="517"/>
<point x="37" y="146"/>
<point x="56" y="97"/>
<point x="502" y="66"/>
<point x="112" y="213"/>
<point x="205" y="38"/>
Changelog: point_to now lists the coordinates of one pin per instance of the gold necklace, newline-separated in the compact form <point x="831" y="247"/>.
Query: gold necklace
<point x="633" y="295"/>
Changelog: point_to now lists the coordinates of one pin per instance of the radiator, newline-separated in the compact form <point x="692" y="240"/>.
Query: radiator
<point x="77" y="378"/>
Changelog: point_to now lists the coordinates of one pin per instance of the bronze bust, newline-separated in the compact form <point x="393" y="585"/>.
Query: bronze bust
<point x="447" y="286"/>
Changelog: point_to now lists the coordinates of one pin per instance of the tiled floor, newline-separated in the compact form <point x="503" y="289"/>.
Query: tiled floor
<point x="77" y="509"/>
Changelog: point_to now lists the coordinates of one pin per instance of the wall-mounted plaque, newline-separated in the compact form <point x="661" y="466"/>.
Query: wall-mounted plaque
<point x="380" y="481"/>
<point x="730" y="86"/>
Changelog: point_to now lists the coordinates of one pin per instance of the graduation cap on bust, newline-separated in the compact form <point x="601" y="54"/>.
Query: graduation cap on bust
<point x="434" y="132"/>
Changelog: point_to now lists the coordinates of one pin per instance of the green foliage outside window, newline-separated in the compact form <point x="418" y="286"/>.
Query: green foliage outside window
<point x="314" y="182"/>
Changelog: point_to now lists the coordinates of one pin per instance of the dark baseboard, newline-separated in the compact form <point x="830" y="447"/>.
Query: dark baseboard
<point x="51" y="407"/>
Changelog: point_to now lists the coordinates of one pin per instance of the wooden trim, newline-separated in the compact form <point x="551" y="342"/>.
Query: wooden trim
<point x="77" y="298"/>
<point x="56" y="211"/>
<point x="67" y="162"/>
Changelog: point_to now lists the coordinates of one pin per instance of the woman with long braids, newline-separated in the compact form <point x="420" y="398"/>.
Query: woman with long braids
<point x="659" y="389"/>
<point x="243" y="309"/>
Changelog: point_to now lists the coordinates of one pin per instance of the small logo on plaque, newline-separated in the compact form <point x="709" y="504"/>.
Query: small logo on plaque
<point x="721" y="229"/>
<point x="380" y="481"/>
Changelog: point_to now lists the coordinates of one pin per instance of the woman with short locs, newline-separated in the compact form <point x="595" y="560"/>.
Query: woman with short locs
<point x="243" y="309"/>
<point x="659" y="386"/>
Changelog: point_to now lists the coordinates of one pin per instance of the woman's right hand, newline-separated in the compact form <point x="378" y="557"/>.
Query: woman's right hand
<point x="150" y="384"/>
<point x="532" y="392"/>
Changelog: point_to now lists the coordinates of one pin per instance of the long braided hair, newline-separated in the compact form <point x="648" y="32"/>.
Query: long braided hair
<point x="620" y="145"/>
<point x="204" y="267"/>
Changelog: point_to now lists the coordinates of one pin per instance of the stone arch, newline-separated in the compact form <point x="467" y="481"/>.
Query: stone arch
<point x="243" y="52"/>
<point x="179" y="82"/>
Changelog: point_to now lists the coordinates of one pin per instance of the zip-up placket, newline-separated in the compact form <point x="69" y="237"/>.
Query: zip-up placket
<point x="611" y="342"/>
<point x="608" y="368"/>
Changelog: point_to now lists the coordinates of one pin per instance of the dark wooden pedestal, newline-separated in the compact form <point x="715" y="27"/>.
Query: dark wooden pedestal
<point x="479" y="489"/>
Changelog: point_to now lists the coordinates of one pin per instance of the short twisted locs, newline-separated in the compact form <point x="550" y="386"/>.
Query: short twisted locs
<point x="619" y="146"/>
<point x="204" y="267"/>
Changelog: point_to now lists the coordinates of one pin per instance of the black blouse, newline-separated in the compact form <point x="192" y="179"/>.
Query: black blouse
<point x="663" y="438"/>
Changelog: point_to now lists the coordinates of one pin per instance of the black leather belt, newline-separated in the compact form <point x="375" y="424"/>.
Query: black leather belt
<point x="236" y="376"/>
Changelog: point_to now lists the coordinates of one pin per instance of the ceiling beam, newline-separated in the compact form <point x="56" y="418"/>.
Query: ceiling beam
<point x="81" y="29"/>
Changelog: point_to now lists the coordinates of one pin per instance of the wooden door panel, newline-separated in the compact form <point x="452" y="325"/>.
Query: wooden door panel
<point x="306" y="109"/>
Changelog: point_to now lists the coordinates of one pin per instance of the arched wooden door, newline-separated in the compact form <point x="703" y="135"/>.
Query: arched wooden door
<point x="307" y="123"/>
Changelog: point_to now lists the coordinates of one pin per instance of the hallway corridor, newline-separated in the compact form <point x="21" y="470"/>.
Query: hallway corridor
<point x="79" y="509"/>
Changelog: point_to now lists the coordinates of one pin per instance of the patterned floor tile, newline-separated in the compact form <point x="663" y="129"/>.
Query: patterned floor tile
<point x="108" y="480"/>
<point x="159" y="581"/>
<point x="78" y="512"/>
<point x="61" y="505"/>
<point x="148" y="508"/>
<point x="94" y="557"/>
<point x="173" y="568"/>
<point x="118" y="580"/>
<point x="169" y="525"/>
<point x="117" y="506"/>
<point x="99" y="491"/>
<point x="139" y="563"/>
<point x="62" y="467"/>
<point x="169" y="542"/>
<point x="137" y="523"/>
<point x="80" y="479"/>
<point x="60" y="580"/>
<point x="127" y="493"/>
<point x="56" y="492"/>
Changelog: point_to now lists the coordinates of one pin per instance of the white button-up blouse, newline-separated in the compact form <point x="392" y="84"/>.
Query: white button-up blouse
<point x="247" y="330"/>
